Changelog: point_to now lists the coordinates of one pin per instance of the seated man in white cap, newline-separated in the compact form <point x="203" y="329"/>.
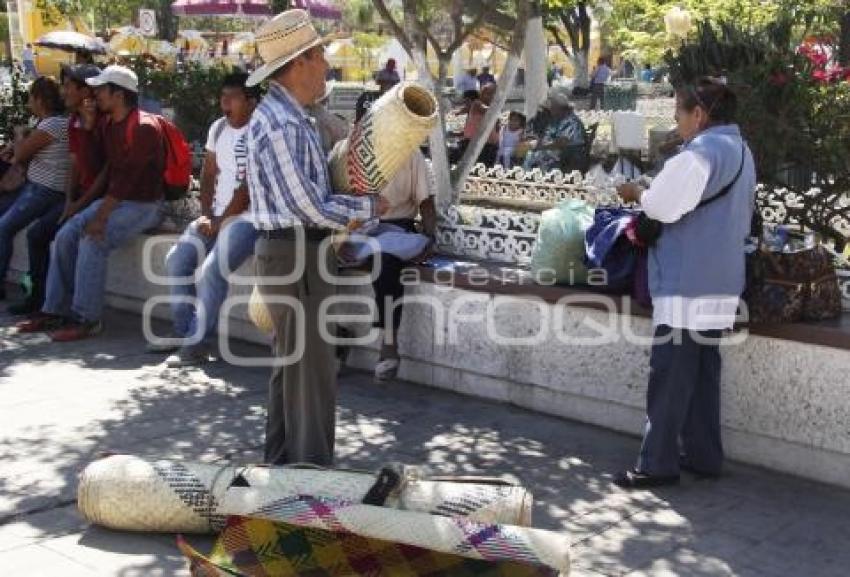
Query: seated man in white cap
<point x="565" y="131"/>
<point x="132" y="203"/>
<point x="294" y="210"/>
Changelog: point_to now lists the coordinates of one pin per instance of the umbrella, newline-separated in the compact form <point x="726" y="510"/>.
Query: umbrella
<point x="243" y="43"/>
<point x="319" y="9"/>
<point x="128" y="40"/>
<point x="193" y="40"/>
<point x="221" y="8"/>
<point x="72" y="42"/>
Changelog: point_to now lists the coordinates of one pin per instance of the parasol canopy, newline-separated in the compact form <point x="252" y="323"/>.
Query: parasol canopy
<point x="243" y="43"/>
<point x="324" y="9"/>
<point x="128" y="40"/>
<point x="221" y="8"/>
<point x="71" y="41"/>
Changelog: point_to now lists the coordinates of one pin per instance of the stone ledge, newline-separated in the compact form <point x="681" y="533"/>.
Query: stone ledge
<point x="786" y="403"/>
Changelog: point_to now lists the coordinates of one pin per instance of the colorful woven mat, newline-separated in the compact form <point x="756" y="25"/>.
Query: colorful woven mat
<point x="250" y="547"/>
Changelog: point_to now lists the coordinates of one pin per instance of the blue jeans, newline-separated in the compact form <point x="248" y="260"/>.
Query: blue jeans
<point x="40" y="235"/>
<point x="76" y="279"/>
<point x="33" y="202"/>
<point x="219" y="257"/>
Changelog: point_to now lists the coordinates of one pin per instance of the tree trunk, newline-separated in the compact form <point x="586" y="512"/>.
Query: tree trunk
<point x="166" y="22"/>
<point x="580" y="68"/>
<point x="535" y="65"/>
<point x="503" y="87"/>
<point x="476" y="145"/>
<point x="437" y="139"/>
<point x="844" y="54"/>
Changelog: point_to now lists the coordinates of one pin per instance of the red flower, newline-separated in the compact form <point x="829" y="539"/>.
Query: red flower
<point x="820" y="76"/>
<point x="778" y="79"/>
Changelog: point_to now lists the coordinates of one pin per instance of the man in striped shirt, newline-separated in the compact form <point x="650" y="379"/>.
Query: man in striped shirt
<point x="294" y="210"/>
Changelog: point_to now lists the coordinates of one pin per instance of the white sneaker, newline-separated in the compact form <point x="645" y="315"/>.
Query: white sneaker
<point x="167" y="344"/>
<point x="386" y="369"/>
<point x="188" y="356"/>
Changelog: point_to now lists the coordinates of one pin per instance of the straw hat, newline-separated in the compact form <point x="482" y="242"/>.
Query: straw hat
<point x="281" y="39"/>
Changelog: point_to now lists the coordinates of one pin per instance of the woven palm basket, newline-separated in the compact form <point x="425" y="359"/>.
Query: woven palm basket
<point x="259" y="313"/>
<point x="129" y="493"/>
<point x="393" y="128"/>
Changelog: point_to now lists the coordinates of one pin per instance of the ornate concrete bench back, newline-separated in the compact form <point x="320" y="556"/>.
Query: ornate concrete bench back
<point x="534" y="190"/>
<point x="505" y="227"/>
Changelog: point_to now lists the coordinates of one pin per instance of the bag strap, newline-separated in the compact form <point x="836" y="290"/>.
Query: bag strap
<point x="726" y="189"/>
<point x="219" y="129"/>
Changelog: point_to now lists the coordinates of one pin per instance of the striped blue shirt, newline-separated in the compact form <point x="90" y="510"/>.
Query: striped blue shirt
<point x="288" y="175"/>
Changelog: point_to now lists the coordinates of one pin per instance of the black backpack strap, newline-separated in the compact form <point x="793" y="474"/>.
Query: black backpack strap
<point x="725" y="190"/>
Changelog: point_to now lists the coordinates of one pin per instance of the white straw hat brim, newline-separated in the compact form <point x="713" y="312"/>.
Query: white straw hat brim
<point x="268" y="68"/>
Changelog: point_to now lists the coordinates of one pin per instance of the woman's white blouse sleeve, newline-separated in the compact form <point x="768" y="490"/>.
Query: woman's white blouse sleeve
<point x="677" y="189"/>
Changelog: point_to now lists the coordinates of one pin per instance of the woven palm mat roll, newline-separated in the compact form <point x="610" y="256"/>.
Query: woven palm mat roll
<point x="382" y="141"/>
<point x="449" y="535"/>
<point x="260" y="548"/>
<point x="129" y="493"/>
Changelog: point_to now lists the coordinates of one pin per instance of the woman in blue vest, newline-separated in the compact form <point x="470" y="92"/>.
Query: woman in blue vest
<point x="704" y="197"/>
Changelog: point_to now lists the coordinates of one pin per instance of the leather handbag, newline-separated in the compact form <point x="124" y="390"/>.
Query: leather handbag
<point x="791" y="287"/>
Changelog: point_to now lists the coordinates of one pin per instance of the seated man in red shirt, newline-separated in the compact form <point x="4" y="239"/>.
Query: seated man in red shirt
<point x="132" y="203"/>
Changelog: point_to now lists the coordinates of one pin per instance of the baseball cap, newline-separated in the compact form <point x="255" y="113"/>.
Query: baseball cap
<point x="118" y="75"/>
<point x="80" y="72"/>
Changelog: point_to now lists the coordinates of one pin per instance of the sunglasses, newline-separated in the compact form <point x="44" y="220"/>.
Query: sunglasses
<point x="693" y="93"/>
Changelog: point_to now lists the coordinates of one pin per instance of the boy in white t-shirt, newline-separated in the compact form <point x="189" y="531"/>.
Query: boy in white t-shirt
<point x="221" y="239"/>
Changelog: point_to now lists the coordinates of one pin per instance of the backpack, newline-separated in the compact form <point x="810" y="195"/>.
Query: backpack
<point x="177" y="173"/>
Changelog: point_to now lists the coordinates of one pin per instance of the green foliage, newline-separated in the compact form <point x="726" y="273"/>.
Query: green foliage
<point x="638" y="25"/>
<point x="359" y="15"/>
<point x="193" y="93"/>
<point x="109" y="13"/>
<point x="794" y="107"/>
<point x="13" y="106"/>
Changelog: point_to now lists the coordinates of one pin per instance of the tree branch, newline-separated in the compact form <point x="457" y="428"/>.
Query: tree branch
<point x="503" y="86"/>
<point x="556" y="34"/>
<point x="398" y="31"/>
<point x="498" y="19"/>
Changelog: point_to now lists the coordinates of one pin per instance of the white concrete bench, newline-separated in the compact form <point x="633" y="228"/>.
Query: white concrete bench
<point x="786" y="391"/>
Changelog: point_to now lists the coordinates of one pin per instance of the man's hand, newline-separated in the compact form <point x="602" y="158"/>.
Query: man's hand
<point x="383" y="206"/>
<point x="426" y="254"/>
<point x="96" y="228"/>
<point x="629" y="192"/>
<point x="206" y="226"/>
<point x="71" y="209"/>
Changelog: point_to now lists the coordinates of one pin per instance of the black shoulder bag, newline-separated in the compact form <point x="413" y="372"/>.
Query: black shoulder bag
<point x="647" y="230"/>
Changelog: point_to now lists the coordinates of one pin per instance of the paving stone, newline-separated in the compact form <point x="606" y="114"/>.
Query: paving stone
<point x="111" y="553"/>
<point x="39" y="561"/>
<point x="39" y="527"/>
<point x="69" y="402"/>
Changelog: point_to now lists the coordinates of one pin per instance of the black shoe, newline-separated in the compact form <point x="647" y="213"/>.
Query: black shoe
<point x="632" y="479"/>
<point x="25" y="307"/>
<point x="686" y="466"/>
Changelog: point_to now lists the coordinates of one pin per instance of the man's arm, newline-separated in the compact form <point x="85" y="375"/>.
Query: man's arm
<point x="238" y="204"/>
<point x="208" y="175"/>
<point x="308" y="202"/>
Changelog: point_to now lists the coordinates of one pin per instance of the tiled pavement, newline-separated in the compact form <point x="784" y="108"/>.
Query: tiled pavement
<point x="64" y="404"/>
